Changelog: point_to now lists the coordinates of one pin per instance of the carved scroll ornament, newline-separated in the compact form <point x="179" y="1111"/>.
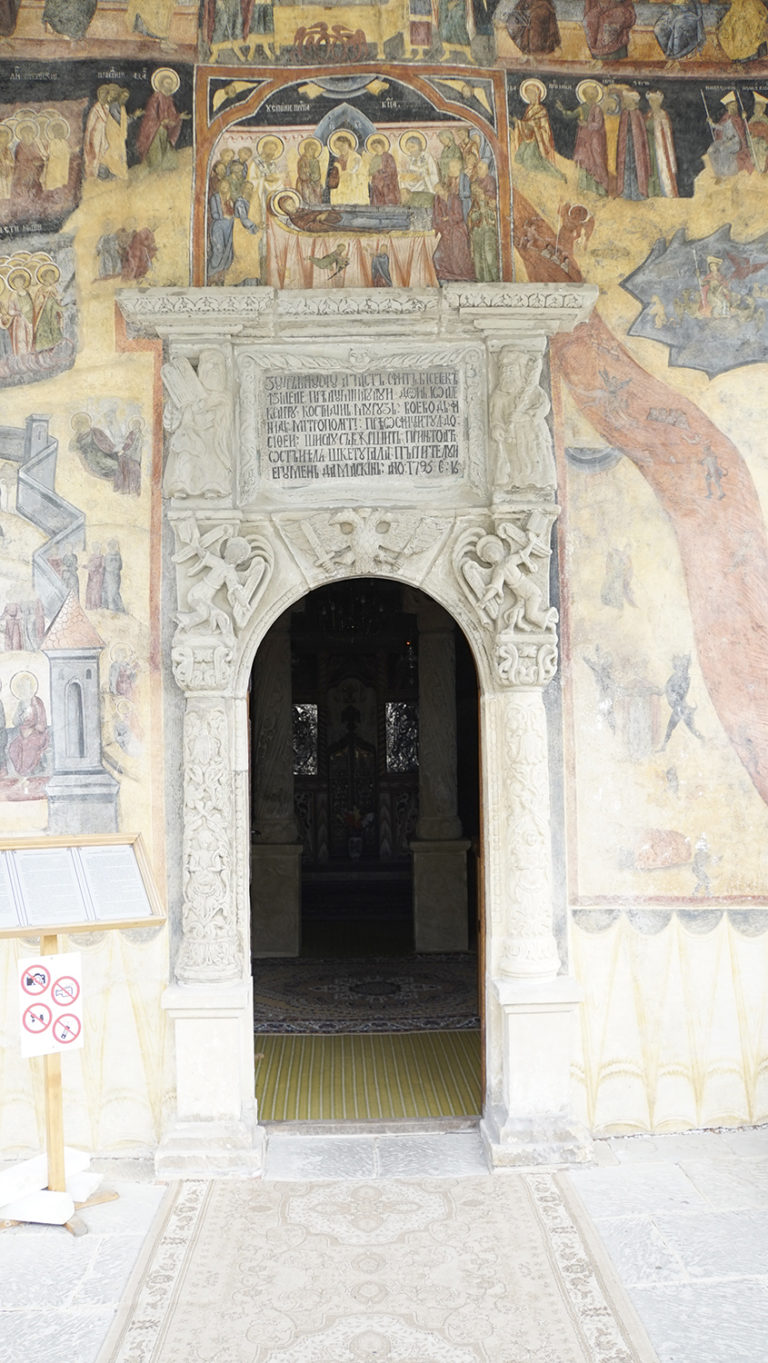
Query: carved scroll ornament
<point x="210" y="948"/>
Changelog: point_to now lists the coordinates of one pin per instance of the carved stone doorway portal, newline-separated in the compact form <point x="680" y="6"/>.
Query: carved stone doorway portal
<point x="316" y="438"/>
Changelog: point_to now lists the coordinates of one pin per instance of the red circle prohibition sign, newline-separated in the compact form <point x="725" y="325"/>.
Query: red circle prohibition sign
<point x="66" y="1028"/>
<point x="37" y="1017"/>
<point x="35" y="979"/>
<point x="65" y="990"/>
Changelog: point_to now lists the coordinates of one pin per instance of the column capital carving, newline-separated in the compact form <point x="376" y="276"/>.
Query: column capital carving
<point x="502" y="566"/>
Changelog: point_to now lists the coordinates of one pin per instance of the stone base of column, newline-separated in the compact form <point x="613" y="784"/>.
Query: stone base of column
<point x="440" y="894"/>
<point x="211" y="1150"/>
<point x="215" y="1131"/>
<point x="275" y="899"/>
<point x="533" y="1123"/>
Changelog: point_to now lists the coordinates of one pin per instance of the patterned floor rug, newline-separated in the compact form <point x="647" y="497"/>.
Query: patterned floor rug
<point x="366" y="994"/>
<point x="369" y="1076"/>
<point x="495" y="1269"/>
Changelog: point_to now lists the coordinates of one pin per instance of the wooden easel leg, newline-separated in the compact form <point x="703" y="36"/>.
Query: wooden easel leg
<point x="54" y="1112"/>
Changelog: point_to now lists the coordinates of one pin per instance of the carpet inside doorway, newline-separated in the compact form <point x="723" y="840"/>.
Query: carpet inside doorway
<point x="368" y="1076"/>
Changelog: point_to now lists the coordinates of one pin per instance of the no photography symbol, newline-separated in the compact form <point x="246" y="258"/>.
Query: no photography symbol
<point x="35" y="979"/>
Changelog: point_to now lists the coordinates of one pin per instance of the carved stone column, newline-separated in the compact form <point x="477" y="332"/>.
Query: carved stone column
<point x="439" y="851"/>
<point x="220" y="575"/>
<point x="275" y="850"/>
<point x="502" y="564"/>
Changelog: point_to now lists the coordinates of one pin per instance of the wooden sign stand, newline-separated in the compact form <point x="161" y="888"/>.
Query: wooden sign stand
<point x="87" y="918"/>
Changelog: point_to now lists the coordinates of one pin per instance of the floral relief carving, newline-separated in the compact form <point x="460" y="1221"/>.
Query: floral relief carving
<point x="210" y="949"/>
<point x="527" y="878"/>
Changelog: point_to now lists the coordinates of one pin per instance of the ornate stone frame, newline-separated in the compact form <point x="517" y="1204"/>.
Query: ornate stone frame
<point x="479" y="548"/>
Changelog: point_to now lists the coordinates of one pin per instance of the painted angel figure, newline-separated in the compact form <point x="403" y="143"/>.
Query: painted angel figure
<point x="222" y="559"/>
<point x="200" y="456"/>
<point x="505" y="590"/>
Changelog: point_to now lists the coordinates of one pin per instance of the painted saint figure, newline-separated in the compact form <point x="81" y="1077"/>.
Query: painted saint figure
<point x="633" y="163"/>
<point x="160" y="122"/>
<point x="309" y="173"/>
<point x="346" y="181"/>
<point x="26" y="750"/>
<point x="29" y="165"/>
<point x="533" y="132"/>
<point x="679" y="30"/>
<point x="729" y="152"/>
<point x="533" y="27"/>
<point x="453" y="254"/>
<point x="758" y="132"/>
<point x="661" y="145"/>
<point x="383" y="187"/>
<point x="590" y="150"/>
<point x="418" y="172"/>
<point x="742" y="32"/>
<point x="608" y="25"/>
<point x="48" y="315"/>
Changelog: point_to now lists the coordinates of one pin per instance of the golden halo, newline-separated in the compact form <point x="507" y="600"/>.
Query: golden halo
<point x="412" y="134"/>
<point x="285" y="202"/>
<point x="583" y="85"/>
<point x="165" y="71"/>
<point x="311" y="144"/>
<point x="47" y="267"/>
<point x="266" y="140"/>
<point x="532" y="84"/>
<point x="28" y="688"/>
<point x="59" y="122"/>
<point x="381" y="137"/>
<point x="333" y="140"/>
<point x="16" y="272"/>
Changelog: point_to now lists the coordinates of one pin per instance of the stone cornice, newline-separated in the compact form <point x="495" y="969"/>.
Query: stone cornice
<point x="492" y="309"/>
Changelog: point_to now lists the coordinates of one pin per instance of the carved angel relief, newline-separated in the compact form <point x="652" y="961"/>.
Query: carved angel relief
<point x="505" y="576"/>
<point x="220" y="578"/>
<point x="364" y="540"/>
<point x="518" y="412"/>
<point x="198" y="416"/>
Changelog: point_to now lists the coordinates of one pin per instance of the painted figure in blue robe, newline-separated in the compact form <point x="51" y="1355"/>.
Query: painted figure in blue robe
<point x="679" y="31"/>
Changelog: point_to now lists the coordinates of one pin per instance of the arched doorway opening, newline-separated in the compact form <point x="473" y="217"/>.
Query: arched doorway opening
<point x="370" y="961"/>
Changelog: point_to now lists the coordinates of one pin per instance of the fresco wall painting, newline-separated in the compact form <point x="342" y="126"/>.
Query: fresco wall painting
<point x="417" y="144"/>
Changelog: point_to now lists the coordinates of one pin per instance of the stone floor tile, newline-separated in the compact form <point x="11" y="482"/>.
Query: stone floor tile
<point x="712" y="1323"/>
<point x="452" y="1155"/>
<point x="639" y="1253"/>
<point x="107" y="1275"/>
<point x="675" y="1147"/>
<point x="719" y="1244"/>
<point x="732" y="1185"/>
<point x="35" y="1336"/>
<point x="42" y="1270"/>
<point x="319" y="1158"/>
<point x="749" y="1143"/>
<point x="634" y="1189"/>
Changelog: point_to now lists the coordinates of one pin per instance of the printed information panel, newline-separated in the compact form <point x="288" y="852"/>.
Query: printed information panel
<point x="341" y="426"/>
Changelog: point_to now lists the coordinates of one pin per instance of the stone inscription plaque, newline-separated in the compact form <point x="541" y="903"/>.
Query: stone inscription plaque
<point x="342" y="427"/>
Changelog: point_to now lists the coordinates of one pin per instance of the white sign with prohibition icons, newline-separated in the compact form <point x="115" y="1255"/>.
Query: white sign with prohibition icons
<point x="51" y="1003"/>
